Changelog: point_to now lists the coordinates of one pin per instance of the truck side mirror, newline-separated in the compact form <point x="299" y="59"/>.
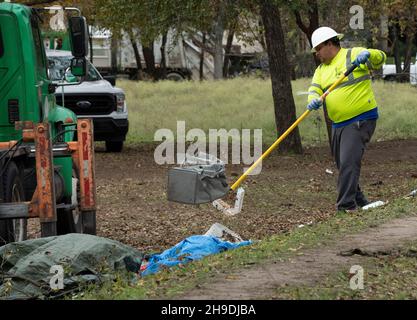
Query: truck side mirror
<point x="79" y="66"/>
<point x="79" y="36"/>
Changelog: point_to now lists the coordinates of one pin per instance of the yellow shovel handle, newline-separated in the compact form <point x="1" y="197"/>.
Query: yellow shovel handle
<point x="286" y="133"/>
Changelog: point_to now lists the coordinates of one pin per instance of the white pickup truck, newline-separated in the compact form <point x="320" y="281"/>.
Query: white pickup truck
<point x="389" y="72"/>
<point x="94" y="98"/>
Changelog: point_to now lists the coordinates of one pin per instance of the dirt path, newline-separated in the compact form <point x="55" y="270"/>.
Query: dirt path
<point x="260" y="282"/>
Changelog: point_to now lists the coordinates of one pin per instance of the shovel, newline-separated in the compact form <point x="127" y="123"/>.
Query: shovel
<point x="233" y="210"/>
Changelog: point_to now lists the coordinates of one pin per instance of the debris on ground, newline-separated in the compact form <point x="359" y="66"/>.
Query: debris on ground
<point x="377" y="183"/>
<point x="192" y="248"/>
<point x="373" y="205"/>
<point x="307" y="224"/>
<point x="365" y="253"/>
<point x="223" y="233"/>
<point x="411" y="194"/>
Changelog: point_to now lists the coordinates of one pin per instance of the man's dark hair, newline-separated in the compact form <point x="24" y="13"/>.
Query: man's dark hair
<point x="335" y="41"/>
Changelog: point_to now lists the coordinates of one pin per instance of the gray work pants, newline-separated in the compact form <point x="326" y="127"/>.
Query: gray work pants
<point x="348" y="146"/>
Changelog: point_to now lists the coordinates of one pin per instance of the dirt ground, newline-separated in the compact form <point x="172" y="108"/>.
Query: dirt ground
<point x="291" y="190"/>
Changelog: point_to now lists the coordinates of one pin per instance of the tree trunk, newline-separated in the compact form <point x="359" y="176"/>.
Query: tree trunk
<point x="113" y="53"/>
<point x="284" y="105"/>
<point x="262" y="34"/>
<point x="202" y="58"/>
<point x="397" y="55"/>
<point x="227" y="50"/>
<point x="138" y="74"/>
<point x="148" y="55"/>
<point x="405" y="77"/>
<point x="218" y="43"/>
<point x="163" y="56"/>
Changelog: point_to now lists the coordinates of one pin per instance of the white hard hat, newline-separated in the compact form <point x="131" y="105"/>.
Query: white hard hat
<point x="323" y="34"/>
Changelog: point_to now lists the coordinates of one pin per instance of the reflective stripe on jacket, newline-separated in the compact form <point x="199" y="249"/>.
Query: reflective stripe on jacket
<point x="354" y="95"/>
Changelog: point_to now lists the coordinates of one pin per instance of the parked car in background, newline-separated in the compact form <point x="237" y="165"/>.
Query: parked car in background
<point x="94" y="98"/>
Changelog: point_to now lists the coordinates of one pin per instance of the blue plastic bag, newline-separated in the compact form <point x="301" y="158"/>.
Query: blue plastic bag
<point x="192" y="248"/>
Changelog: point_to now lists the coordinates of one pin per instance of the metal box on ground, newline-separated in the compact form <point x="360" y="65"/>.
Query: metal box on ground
<point x="197" y="184"/>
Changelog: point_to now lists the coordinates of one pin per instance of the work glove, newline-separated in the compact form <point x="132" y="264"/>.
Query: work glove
<point x="361" y="58"/>
<point x="314" y="104"/>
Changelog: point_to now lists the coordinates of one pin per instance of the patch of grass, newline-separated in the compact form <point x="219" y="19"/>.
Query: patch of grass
<point x="385" y="277"/>
<point x="173" y="282"/>
<point x="247" y="103"/>
<point x="226" y="104"/>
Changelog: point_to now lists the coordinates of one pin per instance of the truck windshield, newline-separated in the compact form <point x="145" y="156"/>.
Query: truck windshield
<point x="58" y="66"/>
<point x="37" y="41"/>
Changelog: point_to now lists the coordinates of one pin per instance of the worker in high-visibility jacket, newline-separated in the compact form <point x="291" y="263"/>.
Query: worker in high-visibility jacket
<point x="351" y="107"/>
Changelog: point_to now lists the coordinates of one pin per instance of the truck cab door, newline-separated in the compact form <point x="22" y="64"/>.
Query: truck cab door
<point x="42" y="81"/>
<point x="12" y="77"/>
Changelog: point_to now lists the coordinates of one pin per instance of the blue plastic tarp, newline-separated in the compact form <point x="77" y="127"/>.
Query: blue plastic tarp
<point x="192" y="248"/>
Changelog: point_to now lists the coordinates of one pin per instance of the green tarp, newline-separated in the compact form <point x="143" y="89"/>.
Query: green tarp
<point x="27" y="269"/>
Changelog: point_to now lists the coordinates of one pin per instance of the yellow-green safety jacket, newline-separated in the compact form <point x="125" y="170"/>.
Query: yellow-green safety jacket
<point x="354" y="95"/>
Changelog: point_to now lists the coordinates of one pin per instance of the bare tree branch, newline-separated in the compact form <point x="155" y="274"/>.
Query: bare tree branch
<point x="300" y="22"/>
<point x="32" y="3"/>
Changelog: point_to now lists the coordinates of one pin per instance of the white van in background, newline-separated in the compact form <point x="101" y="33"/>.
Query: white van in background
<point x="389" y="72"/>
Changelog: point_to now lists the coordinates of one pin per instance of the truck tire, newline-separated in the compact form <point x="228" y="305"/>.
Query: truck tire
<point x="13" y="230"/>
<point x="89" y="222"/>
<point x="114" y="146"/>
<point x="75" y="220"/>
<point x="69" y="220"/>
<point x="175" y="76"/>
<point x="67" y="223"/>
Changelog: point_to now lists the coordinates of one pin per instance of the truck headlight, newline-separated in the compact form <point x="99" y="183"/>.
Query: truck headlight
<point x="120" y="97"/>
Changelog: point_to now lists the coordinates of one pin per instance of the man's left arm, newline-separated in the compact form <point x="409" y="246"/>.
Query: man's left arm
<point x="377" y="59"/>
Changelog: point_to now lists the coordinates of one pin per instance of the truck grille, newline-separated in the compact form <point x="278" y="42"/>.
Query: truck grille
<point x="88" y="104"/>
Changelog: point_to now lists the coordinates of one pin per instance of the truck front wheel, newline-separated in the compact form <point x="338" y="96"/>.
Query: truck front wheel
<point x="12" y="230"/>
<point x="75" y="220"/>
<point x="114" y="146"/>
<point x="89" y="222"/>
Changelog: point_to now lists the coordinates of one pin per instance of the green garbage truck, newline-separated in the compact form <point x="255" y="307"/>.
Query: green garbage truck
<point x="46" y="154"/>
